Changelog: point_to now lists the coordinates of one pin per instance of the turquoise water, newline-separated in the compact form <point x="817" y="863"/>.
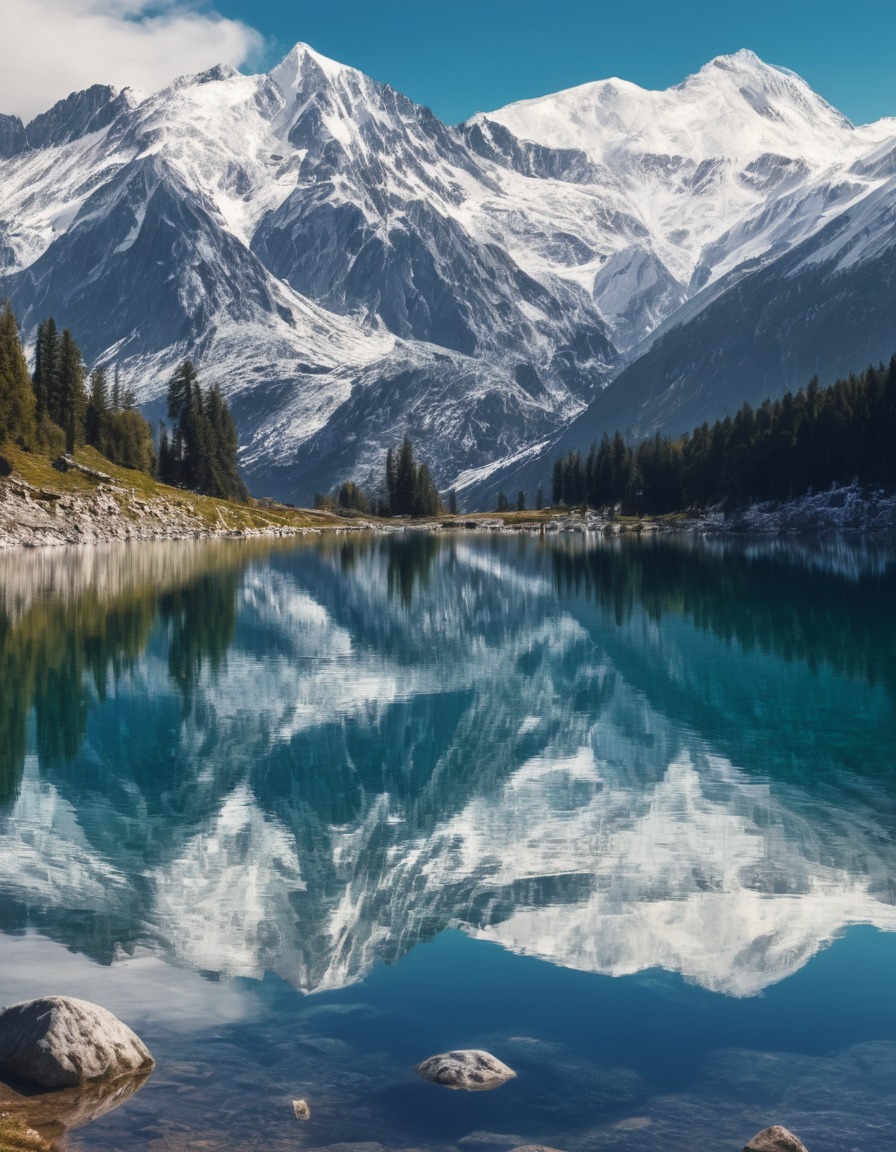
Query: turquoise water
<point x="622" y="813"/>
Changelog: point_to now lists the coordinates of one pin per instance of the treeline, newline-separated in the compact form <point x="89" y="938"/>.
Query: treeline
<point x="58" y="408"/>
<point x="407" y="489"/>
<point x="200" y="453"/>
<point x="806" y="441"/>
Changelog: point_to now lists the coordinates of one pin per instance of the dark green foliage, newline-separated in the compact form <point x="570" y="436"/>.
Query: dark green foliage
<point x="69" y="404"/>
<point x="805" y="441"/>
<point x="17" y="407"/>
<point x="46" y="371"/>
<point x="97" y="415"/>
<point x="120" y="433"/>
<point x="452" y="502"/>
<point x="128" y="441"/>
<point x="225" y="479"/>
<point x="539" y="499"/>
<point x="521" y="501"/>
<point x="502" y="504"/>
<point x="351" y="498"/>
<point x="200" y="453"/>
<point x="410" y="489"/>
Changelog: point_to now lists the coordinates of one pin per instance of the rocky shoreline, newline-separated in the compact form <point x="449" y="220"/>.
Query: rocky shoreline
<point x="39" y="517"/>
<point x="109" y="512"/>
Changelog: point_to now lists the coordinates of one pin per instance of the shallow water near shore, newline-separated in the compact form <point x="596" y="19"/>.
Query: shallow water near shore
<point x="621" y="812"/>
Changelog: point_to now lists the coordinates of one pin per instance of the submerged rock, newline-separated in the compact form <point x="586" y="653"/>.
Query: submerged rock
<point x="59" y="1042"/>
<point x="301" y="1109"/>
<point x="775" y="1139"/>
<point x="57" y="1111"/>
<point x="468" y="1069"/>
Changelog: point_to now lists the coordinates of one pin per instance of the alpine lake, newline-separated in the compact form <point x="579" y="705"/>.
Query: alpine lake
<point x="623" y="813"/>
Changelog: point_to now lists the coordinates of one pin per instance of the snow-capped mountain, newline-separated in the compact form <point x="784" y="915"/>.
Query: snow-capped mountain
<point x="345" y="265"/>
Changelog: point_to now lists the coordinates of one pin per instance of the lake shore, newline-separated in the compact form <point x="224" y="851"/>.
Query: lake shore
<point x="88" y="506"/>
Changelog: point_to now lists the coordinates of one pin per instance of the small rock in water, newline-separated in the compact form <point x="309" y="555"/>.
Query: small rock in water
<point x="468" y="1069"/>
<point x="775" y="1139"/>
<point x="301" y="1109"/>
<point x="59" y="1042"/>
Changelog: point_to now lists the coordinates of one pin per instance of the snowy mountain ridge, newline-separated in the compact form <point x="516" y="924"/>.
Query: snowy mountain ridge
<point x="347" y="266"/>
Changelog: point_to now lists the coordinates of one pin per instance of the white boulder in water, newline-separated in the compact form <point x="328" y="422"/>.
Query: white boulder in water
<point x="59" y="1042"/>
<point x="468" y="1069"/>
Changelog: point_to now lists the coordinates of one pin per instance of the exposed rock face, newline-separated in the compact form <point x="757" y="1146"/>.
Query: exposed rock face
<point x="12" y="136"/>
<point x="59" y="1042"/>
<point x="775" y="1139"/>
<point x="468" y="1069"/>
<point x="33" y="516"/>
<point x="75" y="116"/>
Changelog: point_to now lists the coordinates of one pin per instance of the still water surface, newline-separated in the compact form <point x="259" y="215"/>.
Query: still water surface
<point x="622" y="814"/>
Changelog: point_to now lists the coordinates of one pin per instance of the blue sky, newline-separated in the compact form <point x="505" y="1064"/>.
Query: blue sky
<point x="460" y="56"/>
<point x="457" y="56"/>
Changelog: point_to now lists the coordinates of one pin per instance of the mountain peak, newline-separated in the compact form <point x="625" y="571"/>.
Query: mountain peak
<point x="301" y="59"/>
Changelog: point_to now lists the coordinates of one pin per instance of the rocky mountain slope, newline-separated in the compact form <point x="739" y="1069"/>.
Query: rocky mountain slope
<point x="346" y="266"/>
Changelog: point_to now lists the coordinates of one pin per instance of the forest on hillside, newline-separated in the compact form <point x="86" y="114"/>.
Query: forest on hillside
<point x="806" y="441"/>
<point x="58" y="408"/>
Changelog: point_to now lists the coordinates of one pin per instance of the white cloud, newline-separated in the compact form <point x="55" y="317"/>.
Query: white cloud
<point x="49" y="48"/>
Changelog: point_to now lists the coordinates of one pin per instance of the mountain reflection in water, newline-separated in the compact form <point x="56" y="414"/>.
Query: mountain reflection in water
<point x="614" y="756"/>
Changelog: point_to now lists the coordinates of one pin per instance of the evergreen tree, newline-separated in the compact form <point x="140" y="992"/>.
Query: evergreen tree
<point x="452" y="502"/>
<point x="225" y="480"/>
<point x="539" y="499"/>
<point x="557" y="483"/>
<point x="405" y="480"/>
<point x="521" y="501"/>
<point x="17" y="402"/>
<point x="97" y="416"/>
<point x="201" y="452"/>
<point x="46" y="373"/>
<point x="166" y="466"/>
<point x="427" y="501"/>
<point x="390" y="481"/>
<point x="350" y="497"/>
<point x="128" y="440"/>
<point x="72" y="399"/>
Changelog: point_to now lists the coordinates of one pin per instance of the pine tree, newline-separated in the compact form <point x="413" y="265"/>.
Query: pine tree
<point x="521" y="501"/>
<point x="201" y="452"/>
<point x="390" y="482"/>
<point x="405" y="479"/>
<point x="427" y="501"/>
<point x="557" y="483"/>
<point x="17" y="402"/>
<point x="166" y="466"/>
<point x="46" y="373"/>
<point x="97" y="415"/>
<point x="225" y="480"/>
<point x="72" y="399"/>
